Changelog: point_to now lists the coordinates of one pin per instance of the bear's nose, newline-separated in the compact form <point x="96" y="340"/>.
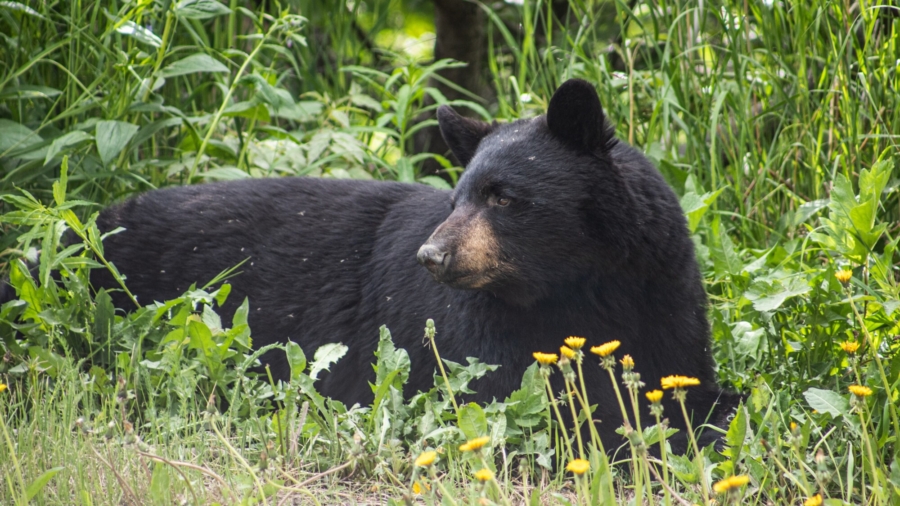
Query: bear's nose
<point x="433" y="258"/>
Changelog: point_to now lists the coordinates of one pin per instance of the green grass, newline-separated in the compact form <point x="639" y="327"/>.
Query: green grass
<point x="777" y="125"/>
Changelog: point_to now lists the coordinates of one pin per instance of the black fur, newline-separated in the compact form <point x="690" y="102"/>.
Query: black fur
<point x="591" y="240"/>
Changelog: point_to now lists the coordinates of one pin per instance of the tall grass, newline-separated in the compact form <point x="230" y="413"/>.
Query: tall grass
<point x="775" y="122"/>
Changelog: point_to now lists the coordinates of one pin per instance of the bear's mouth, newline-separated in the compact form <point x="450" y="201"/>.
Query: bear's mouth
<point x="469" y="281"/>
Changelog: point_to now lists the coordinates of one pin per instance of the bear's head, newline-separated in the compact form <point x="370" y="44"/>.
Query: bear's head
<point x="541" y="205"/>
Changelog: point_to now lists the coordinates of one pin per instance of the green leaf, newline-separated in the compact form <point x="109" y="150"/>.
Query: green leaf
<point x="70" y="139"/>
<point x="390" y="359"/>
<point x="249" y="110"/>
<point x="104" y="317"/>
<point x="827" y="401"/>
<point x="472" y="421"/>
<point x="200" y="9"/>
<point x="296" y="359"/>
<point x="872" y="182"/>
<point x="435" y="182"/>
<point x="27" y="91"/>
<point x="842" y="197"/>
<point x="32" y="490"/>
<point x="112" y="137"/>
<point x="19" y="6"/>
<point x="16" y="136"/>
<point x="193" y="64"/>
<point x="60" y="186"/>
<point x="325" y="356"/>
<point x="159" y="483"/>
<point x="725" y="259"/>
<point x="737" y="432"/>
<point x="141" y="34"/>
<point x="770" y="296"/>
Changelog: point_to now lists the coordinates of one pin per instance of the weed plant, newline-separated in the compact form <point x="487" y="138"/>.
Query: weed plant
<point x="775" y="122"/>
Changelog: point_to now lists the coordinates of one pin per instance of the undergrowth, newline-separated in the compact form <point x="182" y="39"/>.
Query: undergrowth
<point x="776" y="124"/>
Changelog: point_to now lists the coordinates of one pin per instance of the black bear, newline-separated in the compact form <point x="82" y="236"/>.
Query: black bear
<point x="556" y="228"/>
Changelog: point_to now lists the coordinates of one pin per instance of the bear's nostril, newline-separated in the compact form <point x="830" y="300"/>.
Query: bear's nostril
<point x="432" y="257"/>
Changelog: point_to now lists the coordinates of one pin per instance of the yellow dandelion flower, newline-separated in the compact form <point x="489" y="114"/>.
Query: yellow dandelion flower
<point x="605" y="349"/>
<point x="484" y="475"/>
<point x="860" y="391"/>
<point x="815" y="500"/>
<point x="731" y="483"/>
<point x="545" y="358"/>
<point x="677" y="381"/>
<point x="3" y="387"/>
<point x="417" y="488"/>
<point x="627" y="362"/>
<point x="850" y="347"/>
<point x="578" y="466"/>
<point x="575" y="342"/>
<point x="475" y="444"/>
<point x="654" y="396"/>
<point x="793" y="426"/>
<point x="426" y="459"/>
<point x="844" y="275"/>
<point x="567" y="352"/>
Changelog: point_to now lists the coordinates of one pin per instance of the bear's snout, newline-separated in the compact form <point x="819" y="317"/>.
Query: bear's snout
<point x="433" y="258"/>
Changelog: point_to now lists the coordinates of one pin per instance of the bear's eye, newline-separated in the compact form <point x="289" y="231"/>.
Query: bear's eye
<point x="502" y="201"/>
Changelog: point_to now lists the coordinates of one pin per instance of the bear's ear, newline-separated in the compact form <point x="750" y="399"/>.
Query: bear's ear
<point x="461" y="134"/>
<point x="576" y="117"/>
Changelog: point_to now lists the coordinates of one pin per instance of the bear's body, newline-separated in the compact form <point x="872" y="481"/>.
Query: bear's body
<point x="555" y="229"/>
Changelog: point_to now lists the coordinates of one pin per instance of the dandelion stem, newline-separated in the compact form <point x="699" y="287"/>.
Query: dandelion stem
<point x="583" y="399"/>
<point x="569" y="388"/>
<point x="665" y="465"/>
<point x="429" y="333"/>
<point x="559" y="418"/>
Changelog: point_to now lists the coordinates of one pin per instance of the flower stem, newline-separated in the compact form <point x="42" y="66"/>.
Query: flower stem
<point x="429" y="333"/>
<point x="569" y="388"/>
<point x="583" y="399"/>
<point x="559" y="418"/>
<point x="665" y="466"/>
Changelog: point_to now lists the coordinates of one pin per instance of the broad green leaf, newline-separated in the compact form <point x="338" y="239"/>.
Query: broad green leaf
<point x="60" y="143"/>
<point x="193" y="64"/>
<point x="325" y="356"/>
<point x="15" y="136"/>
<point x="27" y="91"/>
<point x="842" y="197"/>
<point x="249" y="110"/>
<point x="863" y="217"/>
<point x="296" y="359"/>
<point x="200" y="9"/>
<point x="32" y="490"/>
<point x="390" y="359"/>
<point x="211" y="319"/>
<point x="60" y="186"/>
<point x="200" y="337"/>
<point x="472" y="421"/>
<point x="141" y="34"/>
<point x="770" y="296"/>
<point x="872" y="182"/>
<point x="737" y="431"/>
<point x="725" y="259"/>
<point x="435" y="182"/>
<point x="827" y="401"/>
<point x="112" y="137"/>
<point x="225" y="174"/>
